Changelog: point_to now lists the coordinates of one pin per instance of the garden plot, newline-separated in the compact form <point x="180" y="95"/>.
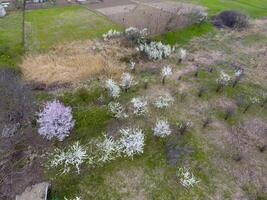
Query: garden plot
<point x="156" y="16"/>
<point x="170" y="123"/>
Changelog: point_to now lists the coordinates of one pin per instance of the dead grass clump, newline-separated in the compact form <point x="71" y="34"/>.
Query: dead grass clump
<point x="74" y="62"/>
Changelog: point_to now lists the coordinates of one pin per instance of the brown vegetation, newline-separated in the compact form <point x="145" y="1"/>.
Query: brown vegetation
<point x="74" y="62"/>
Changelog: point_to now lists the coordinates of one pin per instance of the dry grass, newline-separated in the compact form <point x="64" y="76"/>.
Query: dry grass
<point x="75" y="62"/>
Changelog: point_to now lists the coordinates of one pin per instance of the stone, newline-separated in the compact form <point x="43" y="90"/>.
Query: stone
<point x="2" y="11"/>
<point x="35" y="192"/>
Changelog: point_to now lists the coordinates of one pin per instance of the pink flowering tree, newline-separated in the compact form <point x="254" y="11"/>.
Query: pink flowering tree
<point x="55" y="120"/>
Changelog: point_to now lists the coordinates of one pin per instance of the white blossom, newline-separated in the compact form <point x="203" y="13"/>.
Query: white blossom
<point x="155" y="50"/>
<point x="182" y="54"/>
<point x="187" y="179"/>
<point x="111" y="34"/>
<point x="140" y="105"/>
<point x="132" y="141"/>
<point x="113" y="88"/>
<point x="254" y="100"/>
<point x="127" y="81"/>
<point x="166" y="71"/>
<point x="239" y="72"/>
<point x="224" y="78"/>
<point x="72" y="157"/>
<point x="132" y="65"/>
<point x="163" y="101"/>
<point x="76" y="198"/>
<point x="135" y="35"/>
<point x="162" y="128"/>
<point x="117" y="110"/>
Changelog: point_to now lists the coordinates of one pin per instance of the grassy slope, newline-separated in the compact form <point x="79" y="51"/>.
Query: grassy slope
<point x="183" y="36"/>
<point x="48" y="27"/>
<point x="10" y="39"/>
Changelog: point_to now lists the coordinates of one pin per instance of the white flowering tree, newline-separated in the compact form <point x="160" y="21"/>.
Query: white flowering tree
<point x="132" y="66"/>
<point x="108" y="149"/>
<point x="165" y="72"/>
<point x="127" y="81"/>
<point x="55" y="120"/>
<point x="238" y="74"/>
<point x="182" y="53"/>
<point x="155" y="50"/>
<point x="111" y="34"/>
<point x="132" y="141"/>
<point x="162" y="128"/>
<point x="163" y="101"/>
<point x="186" y="178"/>
<point x="135" y="35"/>
<point x="76" y="198"/>
<point x="223" y="80"/>
<point x="252" y="101"/>
<point x="140" y="106"/>
<point x="74" y="156"/>
<point x="117" y="110"/>
<point x="114" y="89"/>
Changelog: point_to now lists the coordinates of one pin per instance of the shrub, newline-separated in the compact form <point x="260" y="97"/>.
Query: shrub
<point x="155" y="50"/>
<point x="162" y="128"/>
<point x="55" y="120"/>
<point x="113" y="88"/>
<point x="72" y="157"/>
<point x="231" y="19"/>
<point x="107" y="149"/>
<point x="132" y="141"/>
<point x="135" y="35"/>
<point x="111" y="34"/>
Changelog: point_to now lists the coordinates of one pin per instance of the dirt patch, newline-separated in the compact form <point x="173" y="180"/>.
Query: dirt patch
<point x="75" y="62"/>
<point x="157" y="16"/>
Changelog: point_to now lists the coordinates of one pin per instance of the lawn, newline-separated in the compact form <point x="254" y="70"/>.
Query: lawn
<point x="255" y="8"/>
<point x="47" y="27"/>
<point x="183" y="36"/>
<point x="10" y="39"/>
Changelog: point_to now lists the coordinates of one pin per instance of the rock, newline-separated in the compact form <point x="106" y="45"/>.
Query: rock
<point x="2" y="11"/>
<point x="35" y="192"/>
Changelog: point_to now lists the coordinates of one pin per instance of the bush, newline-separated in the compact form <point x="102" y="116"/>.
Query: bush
<point x="55" y="120"/>
<point x="230" y="19"/>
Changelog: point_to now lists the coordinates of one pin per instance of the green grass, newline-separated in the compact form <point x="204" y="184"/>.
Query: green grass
<point x="255" y="8"/>
<point x="183" y="36"/>
<point x="47" y="27"/>
<point x="10" y="39"/>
